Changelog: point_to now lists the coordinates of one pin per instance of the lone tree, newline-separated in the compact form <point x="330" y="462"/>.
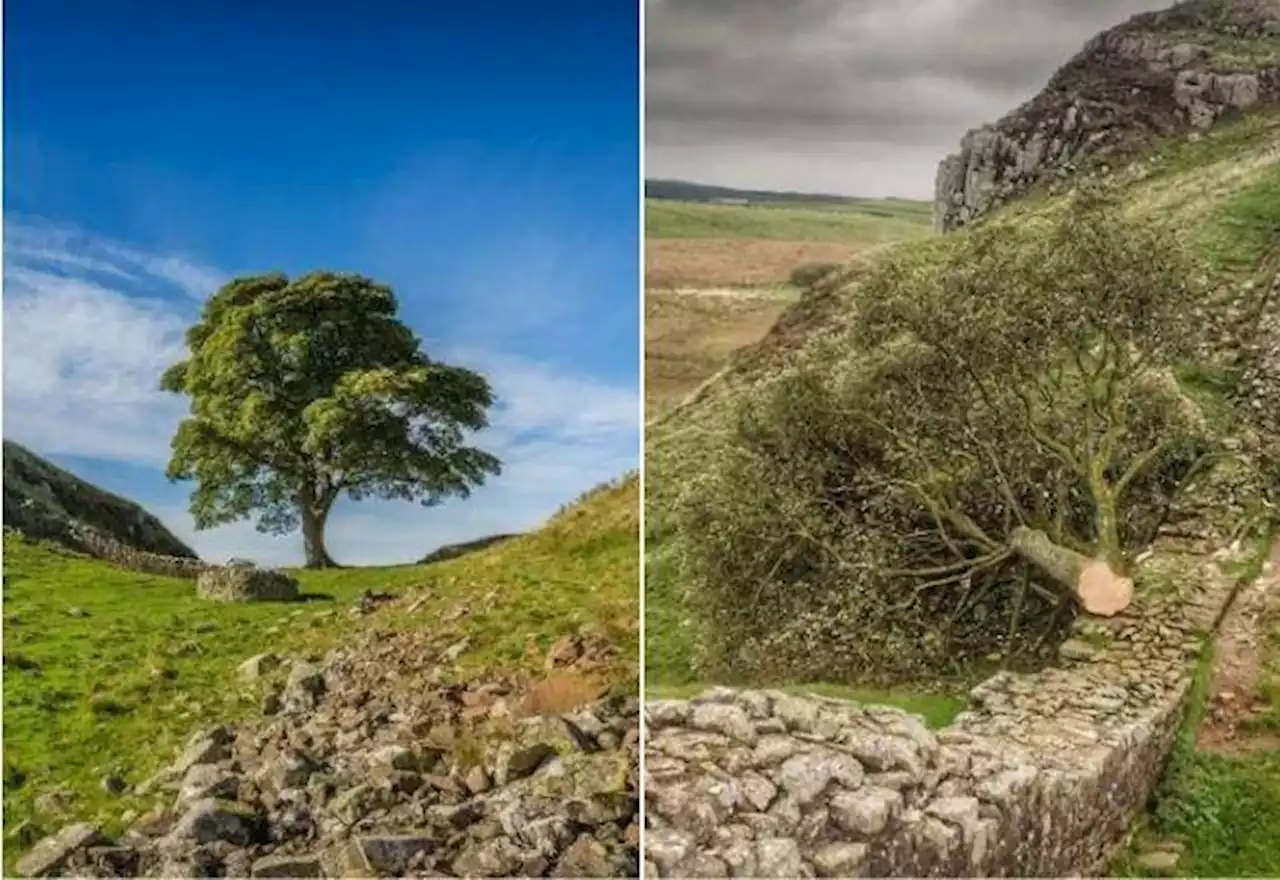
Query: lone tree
<point x="988" y="447"/>
<point x="307" y="388"/>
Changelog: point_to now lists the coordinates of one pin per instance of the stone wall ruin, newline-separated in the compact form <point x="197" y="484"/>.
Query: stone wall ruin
<point x="1041" y="776"/>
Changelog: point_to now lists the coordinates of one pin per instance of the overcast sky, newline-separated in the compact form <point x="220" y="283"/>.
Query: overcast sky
<point x="861" y="97"/>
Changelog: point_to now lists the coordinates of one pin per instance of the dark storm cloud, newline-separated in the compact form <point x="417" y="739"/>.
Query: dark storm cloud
<point x="858" y="96"/>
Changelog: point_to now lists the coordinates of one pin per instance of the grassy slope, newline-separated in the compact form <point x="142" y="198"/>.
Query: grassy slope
<point x="1224" y="811"/>
<point x="1223" y="190"/>
<point x="118" y="690"/>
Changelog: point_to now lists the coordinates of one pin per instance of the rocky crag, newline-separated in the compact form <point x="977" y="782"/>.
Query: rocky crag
<point x="377" y="762"/>
<point x="44" y="502"/>
<point x="1159" y="74"/>
<point x="1040" y="777"/>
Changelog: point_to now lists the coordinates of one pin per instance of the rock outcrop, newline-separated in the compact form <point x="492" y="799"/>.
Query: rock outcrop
<point x="45" y="502"/>
<point x="1040" y="777"/>
<point x="375" y="763"/>
<point x="1159" y="74"/>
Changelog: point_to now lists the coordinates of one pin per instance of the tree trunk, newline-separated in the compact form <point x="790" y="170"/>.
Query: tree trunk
<point x="1099" y="588"/>
<point x="313" y="521"/>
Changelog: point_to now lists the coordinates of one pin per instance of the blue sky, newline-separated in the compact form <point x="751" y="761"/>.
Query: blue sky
<point x="482" y="158"/>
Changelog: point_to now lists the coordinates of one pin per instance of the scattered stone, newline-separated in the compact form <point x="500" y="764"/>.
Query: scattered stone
<point x="55" y="801"/>
<point x="840" y="859"/>
<point x="586" y="857"/>
<point x="114" y="785"/>
<point x="377" y="743"/>
<point x="257" y="666"/>
<point x="477" y="780"/>
<point x="271" y="703"/>
<point x="50" y="855"/>
<point x="517" y="762"/>
<point x="393" y="855"/>
<point x="211" y="820"/>
<point x="288" y="866"/>
<point x="305" y="686"/>
<point x="457" y="649"/>
<point x="208" y="747"/>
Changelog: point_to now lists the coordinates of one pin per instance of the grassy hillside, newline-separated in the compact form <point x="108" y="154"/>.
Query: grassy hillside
<point x="107" y="672"/>
<point x="41" y="498"/>
<point x="1223" y="192"/>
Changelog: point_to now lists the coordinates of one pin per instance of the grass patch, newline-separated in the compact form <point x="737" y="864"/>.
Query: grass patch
<point x="672" y="627"/>
<point x="117" y="690"/>
<point x="1224" y="811"/>
<point x="1247" y="226"/>
<point x="869" y="222"/>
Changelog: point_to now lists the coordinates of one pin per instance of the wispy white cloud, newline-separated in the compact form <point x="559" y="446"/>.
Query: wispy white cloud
<point x="59" y="249"/>
<point x="90" y="324"/>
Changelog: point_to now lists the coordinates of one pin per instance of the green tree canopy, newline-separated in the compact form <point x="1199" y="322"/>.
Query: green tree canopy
<point x="307" y="388"/>
<point x="1001" y="419"/>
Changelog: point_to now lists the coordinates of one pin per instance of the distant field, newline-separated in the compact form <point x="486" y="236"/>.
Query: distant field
<point x="106" y="671"/>
<point x="694" y="248"/>
<point x="860" y="222"/>
<point x="696" y="244"/>
<point x="688" y="337"/>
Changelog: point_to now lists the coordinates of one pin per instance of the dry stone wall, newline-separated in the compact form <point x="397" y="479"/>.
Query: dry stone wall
<point x="100" y="544"/>
<point x="1041" y="776"/>
<point x="224" y="583"/>
<point x="244" y="584"/>
<point x="1160" y="73"/>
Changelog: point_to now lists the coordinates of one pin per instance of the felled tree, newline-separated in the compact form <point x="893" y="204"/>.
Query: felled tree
<point x="1003" y="417"/>
<point x="304" y="389"/>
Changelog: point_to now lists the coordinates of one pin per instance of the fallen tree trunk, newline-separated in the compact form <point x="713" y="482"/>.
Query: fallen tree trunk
<point x="1099" y="588"/>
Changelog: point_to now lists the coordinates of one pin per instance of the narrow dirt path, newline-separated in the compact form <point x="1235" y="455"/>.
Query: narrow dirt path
<point x="1239" y="664"/>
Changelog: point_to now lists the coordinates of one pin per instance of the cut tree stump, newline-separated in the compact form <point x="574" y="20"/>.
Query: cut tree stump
<point x="1099" y="588"/>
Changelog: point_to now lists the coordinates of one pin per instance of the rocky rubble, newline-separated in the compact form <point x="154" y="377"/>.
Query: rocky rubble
<point x="1039" y="777"/>
<point x="375" y="762"/>
<point x="1158" y="74"/>
<point x="1261" y="381"/>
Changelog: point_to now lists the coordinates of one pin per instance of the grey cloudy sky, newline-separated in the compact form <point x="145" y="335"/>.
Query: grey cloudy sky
<point x="862" y="97"/>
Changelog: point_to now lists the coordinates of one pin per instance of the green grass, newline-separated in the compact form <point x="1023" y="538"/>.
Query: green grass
<point x="671" y="626"/>
<point x="869" y="222"/>
<point x="1224" y="811"/>
<point x="119" y="689"/>
<point x="1247" y="227"/>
